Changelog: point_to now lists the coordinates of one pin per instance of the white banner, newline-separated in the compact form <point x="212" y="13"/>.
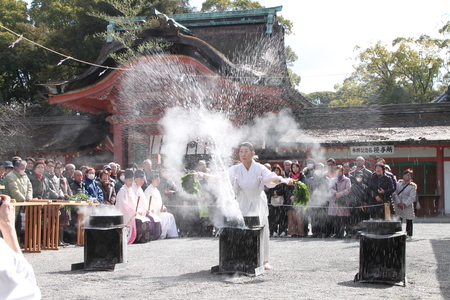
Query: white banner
<point x="372" y="150"/>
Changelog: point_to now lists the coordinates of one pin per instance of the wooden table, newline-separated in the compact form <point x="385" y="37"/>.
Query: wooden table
<point x="33" y="217"/>
<point x="48" y="234"/>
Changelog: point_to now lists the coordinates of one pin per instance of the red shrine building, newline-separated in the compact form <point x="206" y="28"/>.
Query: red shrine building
<point x="235" y="62"/>
<point x="231" y="61"/>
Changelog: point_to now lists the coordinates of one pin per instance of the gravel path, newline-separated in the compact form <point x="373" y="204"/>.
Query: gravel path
<point x="305" y="268"/>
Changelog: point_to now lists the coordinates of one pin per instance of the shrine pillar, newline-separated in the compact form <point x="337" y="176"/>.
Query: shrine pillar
<point x="440" y="178"/>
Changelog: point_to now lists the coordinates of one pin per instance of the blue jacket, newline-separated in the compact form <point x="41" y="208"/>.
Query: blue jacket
<point x="93" y="190"/>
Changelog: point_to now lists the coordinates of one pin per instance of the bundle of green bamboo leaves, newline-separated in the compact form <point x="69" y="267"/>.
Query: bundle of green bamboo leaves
<point x="301" y="193"/>
<point x="191" y="185"/>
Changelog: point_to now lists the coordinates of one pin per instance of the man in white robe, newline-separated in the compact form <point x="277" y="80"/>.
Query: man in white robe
<point x="153" y="196"/>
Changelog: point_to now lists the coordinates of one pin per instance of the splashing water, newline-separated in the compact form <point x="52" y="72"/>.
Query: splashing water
<point x="203" y="107"/>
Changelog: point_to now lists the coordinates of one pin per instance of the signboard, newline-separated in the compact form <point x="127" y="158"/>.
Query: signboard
<point x="373" y="150"/>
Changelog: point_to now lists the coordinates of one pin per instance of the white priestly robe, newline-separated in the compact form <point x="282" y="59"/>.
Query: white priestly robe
<point x="17" y="280"/>
<point x="127" y="203"/>
<point x="248" y="186"/>
<point x="168" y="224"/>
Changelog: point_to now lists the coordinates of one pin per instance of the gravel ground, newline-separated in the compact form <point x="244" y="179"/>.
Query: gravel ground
<point x="305" y="268"/>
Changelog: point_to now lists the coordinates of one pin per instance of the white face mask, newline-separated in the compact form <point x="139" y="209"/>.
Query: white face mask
<point x="359" y="179"/>
<point x="91" y="176"/>
<point x="310" y="166"/>
<point x="22" y="172"/>
<point x="317" y="172"/>
<point x="122" y="178"/>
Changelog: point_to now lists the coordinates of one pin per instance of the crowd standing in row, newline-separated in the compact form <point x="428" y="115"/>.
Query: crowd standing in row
<point x="341" y="197"/>
<point x="140" y="194"/>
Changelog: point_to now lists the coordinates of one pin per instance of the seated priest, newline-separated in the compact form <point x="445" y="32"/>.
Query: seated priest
<point x="144" y="206"/>
<point x="168" y="224"/>
<point x="132" y="207"/>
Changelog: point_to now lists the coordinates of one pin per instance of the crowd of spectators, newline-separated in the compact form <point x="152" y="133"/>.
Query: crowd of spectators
<point x="26" y="179"/>
<point x="341" y="197"/>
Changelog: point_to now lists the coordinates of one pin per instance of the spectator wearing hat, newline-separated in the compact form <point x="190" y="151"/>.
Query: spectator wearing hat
<point x="2" y="170"/>
<point x="109" y="169"/>
<point x="168" y="224"/>
<point x="93" y="190"/>
<point x="5" y="169"/>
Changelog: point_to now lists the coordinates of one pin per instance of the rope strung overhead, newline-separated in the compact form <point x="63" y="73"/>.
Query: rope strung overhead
<point x="66" y="57"/>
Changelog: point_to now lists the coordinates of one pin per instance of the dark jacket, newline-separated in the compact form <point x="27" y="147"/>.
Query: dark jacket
<point x="366" y="175"/>
<point x="109" y="193"/>
<point x="77" y="188"/>
<point x="42" y="188"/>
<point x="281" y="190"/>
<point x="385" y="183"/>
<point x="359" y="192"/>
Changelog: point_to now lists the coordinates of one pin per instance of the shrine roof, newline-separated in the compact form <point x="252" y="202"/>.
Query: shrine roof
<point x="49" y="135"/>
<point x="253" y="65"/>
<point x="407" y="124"/>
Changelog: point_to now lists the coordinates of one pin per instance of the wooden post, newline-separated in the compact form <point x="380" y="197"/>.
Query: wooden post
<point x="80" y="230"/>
<point x="387" y="211"/>
<point x="33" y="217"/>
<point x="51" y="227"/>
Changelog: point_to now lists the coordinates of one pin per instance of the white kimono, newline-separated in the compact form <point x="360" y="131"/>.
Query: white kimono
<point x="248" y="186"/>
<point x="127" y="203"/>
<point x="168" y="224"/>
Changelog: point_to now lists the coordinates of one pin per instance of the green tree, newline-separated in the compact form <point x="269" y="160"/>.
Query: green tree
<point x="418" y="64"/>
<point x="17" y="63"/>
<point x="291" y="57"/>
<point x="321" y="98"/>
<point x="226" y="5"/>
<point x="410" y="73"/>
